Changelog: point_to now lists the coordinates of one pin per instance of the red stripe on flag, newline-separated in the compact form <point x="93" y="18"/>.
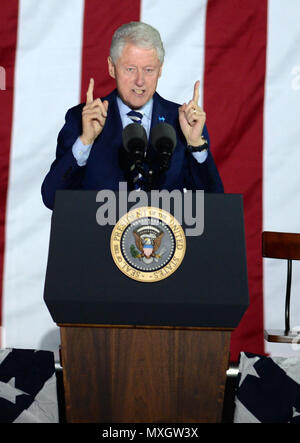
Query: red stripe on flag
<point x="233" y="100"/>
<point x="101" y="19"/>
<point x="8" y="43"/>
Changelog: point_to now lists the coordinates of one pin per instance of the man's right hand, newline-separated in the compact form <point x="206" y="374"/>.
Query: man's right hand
<point x="94" y="116"/>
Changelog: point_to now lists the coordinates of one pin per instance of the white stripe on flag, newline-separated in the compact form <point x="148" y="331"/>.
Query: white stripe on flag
<point x="182" y="29"/>
<point x="47" y="82"/>
<point x="281" y="158"/>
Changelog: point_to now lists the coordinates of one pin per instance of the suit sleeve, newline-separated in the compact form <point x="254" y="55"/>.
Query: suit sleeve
<point x="204" y="175"/>
<point x="64" y="172"/>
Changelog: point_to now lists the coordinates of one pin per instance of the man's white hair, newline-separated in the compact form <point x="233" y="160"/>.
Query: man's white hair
<point x="140" y="34"/>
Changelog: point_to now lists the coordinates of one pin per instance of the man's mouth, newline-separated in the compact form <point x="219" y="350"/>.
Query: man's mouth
<point x="138" y="91"/>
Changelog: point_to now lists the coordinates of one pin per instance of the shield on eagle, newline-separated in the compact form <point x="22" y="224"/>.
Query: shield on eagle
<point x="147" y="241"/>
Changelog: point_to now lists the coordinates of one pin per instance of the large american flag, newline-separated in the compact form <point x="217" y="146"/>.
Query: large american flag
<point x="247" y="57"/>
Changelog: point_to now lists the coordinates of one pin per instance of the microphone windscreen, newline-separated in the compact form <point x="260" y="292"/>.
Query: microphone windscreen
<point x="134" y="137"/>
<point x="163" y="137"/>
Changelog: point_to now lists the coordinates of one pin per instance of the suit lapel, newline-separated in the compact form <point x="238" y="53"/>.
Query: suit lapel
<point x="113" y="125"/>
<point x="159" y="112"/>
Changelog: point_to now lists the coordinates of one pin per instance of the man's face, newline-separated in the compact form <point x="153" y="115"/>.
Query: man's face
<point x="136" y="72"/>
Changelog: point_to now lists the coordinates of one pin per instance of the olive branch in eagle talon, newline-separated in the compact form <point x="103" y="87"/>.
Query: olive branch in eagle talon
<point x="147" y="247"/>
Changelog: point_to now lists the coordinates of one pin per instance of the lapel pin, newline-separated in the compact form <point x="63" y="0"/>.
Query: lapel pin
<point x="161" y="119"/>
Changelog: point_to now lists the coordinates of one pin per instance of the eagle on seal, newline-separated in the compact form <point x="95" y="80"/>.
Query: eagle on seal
<point x="147" y="245"/>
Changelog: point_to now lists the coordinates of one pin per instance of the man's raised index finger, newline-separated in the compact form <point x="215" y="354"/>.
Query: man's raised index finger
<point x="196" y="92"/>
<point x="90" y="92"/>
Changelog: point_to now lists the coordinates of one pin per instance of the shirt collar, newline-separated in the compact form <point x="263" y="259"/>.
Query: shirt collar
<point x="146" y="109"/>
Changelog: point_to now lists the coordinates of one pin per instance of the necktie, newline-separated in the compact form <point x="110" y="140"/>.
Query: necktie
<point x="136" y="117"/>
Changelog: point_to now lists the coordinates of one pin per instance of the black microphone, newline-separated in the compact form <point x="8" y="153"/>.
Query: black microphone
<point x="163" y="138"/>
<point x="135" y="142"/>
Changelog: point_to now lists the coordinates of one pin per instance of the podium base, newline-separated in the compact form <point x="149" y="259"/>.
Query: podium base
<point x="140" y="374"/>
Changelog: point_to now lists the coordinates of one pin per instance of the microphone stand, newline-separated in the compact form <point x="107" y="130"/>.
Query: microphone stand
<point x="148" y="176"/>
<point x="151" y="176"/>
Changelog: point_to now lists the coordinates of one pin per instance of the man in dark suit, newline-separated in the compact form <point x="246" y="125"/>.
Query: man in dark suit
<point x="90" y="154"/>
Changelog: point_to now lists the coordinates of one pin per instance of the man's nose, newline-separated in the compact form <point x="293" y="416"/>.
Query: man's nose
<point x="139" y="80"/>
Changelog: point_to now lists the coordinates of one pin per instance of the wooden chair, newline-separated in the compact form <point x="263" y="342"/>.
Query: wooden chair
<point x="282" y="245"/>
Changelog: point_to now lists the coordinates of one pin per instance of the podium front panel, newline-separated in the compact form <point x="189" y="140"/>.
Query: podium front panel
<point x="84" y="286"/>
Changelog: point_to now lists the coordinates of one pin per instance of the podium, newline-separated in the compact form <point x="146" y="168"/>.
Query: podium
<point x="152" y="352"/>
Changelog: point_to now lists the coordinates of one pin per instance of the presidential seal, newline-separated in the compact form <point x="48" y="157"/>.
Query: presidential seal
<point x="148" y="244"/>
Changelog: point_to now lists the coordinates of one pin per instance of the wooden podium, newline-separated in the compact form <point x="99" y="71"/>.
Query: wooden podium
<point x="136" y="352"/>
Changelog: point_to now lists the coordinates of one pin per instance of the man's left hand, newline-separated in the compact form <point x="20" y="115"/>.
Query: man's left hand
<point x="192" y="119"/>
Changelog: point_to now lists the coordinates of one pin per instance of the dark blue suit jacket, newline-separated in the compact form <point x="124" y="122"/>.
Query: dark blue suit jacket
<point x="108" y="162"/>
